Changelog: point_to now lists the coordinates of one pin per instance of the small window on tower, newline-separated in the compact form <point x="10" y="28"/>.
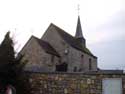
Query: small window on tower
<point x="90" y="64"/>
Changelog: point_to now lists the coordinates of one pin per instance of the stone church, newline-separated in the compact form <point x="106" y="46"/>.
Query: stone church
<point x="58" y="51"/>
<point x="59" y="63"/>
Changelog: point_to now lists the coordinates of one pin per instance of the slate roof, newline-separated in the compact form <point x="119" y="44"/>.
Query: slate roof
<point x="79" y="29"/>
<point x="47" y="47"/>
<point x="72" y="41"/>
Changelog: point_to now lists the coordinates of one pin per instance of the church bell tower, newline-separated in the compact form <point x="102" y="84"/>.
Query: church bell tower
<point x="79" y="35"/>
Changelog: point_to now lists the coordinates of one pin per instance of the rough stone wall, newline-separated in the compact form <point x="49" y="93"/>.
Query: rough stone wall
<point x="73" y="58"/>
<point x="37" y="57"/>
<point x="70" y="83"/>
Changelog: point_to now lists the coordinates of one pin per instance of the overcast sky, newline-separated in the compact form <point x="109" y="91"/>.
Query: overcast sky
<point x="103" y="24"/>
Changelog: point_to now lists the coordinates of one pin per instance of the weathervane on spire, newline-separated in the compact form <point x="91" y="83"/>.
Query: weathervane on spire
<point x="78" y="8"/>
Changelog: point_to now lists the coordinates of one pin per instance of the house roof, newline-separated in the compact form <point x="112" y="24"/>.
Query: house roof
<point x="46" y="46"/>
<point x="72" y="41"/>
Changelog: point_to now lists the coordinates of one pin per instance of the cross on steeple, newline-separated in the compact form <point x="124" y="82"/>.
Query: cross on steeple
<point x="78" y="9"/>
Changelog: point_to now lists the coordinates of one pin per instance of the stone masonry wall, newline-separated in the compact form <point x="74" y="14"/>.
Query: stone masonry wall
<point x="70" y="83"/>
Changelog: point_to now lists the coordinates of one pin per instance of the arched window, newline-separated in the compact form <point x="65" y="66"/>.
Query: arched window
<point x="81" y="68"/>
<point x="90" y="64"/>
<point x="82" y="58"/>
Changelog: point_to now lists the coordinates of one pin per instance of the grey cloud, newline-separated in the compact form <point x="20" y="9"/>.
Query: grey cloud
<point x="110" y="54"/>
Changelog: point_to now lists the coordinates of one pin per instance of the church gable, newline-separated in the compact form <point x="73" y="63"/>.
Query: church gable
<point x="39" y="55"/>
<point x="53" y="38"/>
<point x="45" y="46"/>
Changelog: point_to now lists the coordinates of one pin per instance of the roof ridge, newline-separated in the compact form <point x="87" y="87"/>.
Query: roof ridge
<point x="61" y="29"/>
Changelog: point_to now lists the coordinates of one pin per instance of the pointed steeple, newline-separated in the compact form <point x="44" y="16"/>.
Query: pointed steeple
<point x="79" y="29"/>
<point x="79" y="35"/>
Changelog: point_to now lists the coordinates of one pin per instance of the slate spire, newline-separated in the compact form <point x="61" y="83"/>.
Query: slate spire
<point x="79" y="35"/>
<point x="79" y="29"/>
